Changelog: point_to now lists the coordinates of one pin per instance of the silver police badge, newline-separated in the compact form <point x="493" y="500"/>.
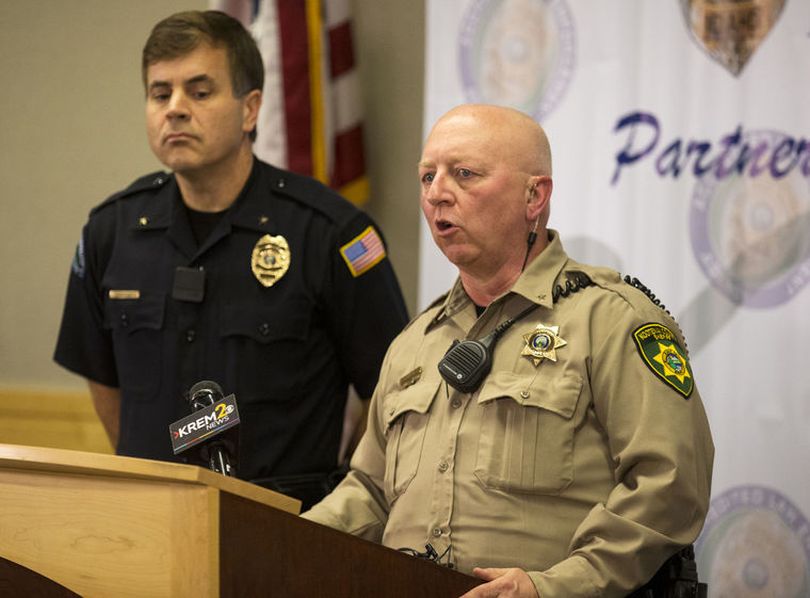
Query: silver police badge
<point x="270" y="259"/>
<point x="729" y="30"/>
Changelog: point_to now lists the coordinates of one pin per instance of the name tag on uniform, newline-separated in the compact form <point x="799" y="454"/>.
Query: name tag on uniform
<point x="410" y="378"/>
<point x="123" y="294"/>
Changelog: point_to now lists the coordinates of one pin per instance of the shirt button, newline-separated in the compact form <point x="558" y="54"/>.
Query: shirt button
<point x="264" y="329"/>
<point x="124" y="320"/>
<point x="443" y="466"/>
<point x="281" y="183"/>
<point x="191" y="335"/>
<point x="524" y="394"/>
<point x="437" y="532"/>
<point x="455" y="403"/>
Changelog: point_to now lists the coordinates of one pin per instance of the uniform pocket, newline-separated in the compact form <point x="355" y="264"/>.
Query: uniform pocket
<point x="266" y="349"/>
<point x="137" y="330"/>
<point x="406" y="418"/>
<point x="526" y="442"/>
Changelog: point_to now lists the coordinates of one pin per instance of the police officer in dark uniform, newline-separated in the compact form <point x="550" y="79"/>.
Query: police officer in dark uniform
<point x="227" y="269"/>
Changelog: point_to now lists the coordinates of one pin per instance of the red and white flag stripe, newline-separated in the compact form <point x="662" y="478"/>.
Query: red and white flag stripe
<point x="311" y="121"/>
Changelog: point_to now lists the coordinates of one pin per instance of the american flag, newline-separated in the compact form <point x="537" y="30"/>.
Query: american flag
<point x="311" y="120"/>
<point x="363" y="252"/>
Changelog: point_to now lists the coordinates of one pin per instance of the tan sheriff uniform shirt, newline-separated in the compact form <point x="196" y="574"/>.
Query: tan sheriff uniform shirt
<point x="586" y="462"/>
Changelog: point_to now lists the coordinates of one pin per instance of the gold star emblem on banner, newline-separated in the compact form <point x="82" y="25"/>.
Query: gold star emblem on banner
<point x="542" y="343"/>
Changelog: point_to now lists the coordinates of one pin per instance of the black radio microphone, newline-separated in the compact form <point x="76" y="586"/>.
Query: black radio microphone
<point x="467" y="362"/>
<point x="212" y="414"/>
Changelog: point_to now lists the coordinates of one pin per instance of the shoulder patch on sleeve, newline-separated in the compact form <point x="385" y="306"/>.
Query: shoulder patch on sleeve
<point x="661" y="352"/>
<point x="363" y="252"/>
<point x="78" y="266"/>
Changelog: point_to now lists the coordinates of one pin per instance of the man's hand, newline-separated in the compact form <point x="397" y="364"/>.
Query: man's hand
<point x="504" y="583"/>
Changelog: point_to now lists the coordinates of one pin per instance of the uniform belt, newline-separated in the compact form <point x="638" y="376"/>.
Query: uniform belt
<point x="309" y="488"/>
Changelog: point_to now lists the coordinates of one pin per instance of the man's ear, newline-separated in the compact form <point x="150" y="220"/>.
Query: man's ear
<point x="250" y="115"/>
<point x="539" y="196"/>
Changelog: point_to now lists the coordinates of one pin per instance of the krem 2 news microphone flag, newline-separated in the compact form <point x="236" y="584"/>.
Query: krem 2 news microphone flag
<point x="311" y="116"/>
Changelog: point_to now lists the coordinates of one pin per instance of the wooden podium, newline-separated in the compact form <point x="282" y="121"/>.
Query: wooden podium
<point x="102" y="525"/>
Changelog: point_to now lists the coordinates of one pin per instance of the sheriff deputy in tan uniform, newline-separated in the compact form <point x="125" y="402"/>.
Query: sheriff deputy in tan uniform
<point x="582" y="460"/>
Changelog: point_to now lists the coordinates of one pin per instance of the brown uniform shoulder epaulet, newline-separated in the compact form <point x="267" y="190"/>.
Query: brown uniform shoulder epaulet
<point x="438" y="301"/>
<point x="637" y="284"/>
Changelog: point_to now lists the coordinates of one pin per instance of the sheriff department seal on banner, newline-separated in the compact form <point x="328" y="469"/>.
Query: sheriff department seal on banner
<point x="661" y="352"/>
<point x="749" y="230"/>
<point x="755" y="543"/>
<point x="270" y="259"/>
<point x="518" y="53"/>
<point x="729" y="31"/>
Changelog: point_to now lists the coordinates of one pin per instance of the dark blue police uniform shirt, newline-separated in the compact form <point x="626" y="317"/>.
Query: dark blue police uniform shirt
<point x="287" y="351"/>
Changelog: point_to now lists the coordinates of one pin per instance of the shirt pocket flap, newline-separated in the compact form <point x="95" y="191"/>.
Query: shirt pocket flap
<point x="130" y="315"/>
<point x="559" y="395"/>
<point x="264" y="325"/>
<point x="417" y="398"/>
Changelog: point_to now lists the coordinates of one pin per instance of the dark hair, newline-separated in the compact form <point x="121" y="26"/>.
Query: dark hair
<point x="181" y="33"/>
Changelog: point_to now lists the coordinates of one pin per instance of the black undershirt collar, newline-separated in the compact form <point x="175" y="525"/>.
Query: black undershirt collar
<point x="202" y="223"/>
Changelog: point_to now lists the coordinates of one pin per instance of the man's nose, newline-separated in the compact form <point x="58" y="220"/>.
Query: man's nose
<point x="438" y="191"/>
<point x="178" y="106"/>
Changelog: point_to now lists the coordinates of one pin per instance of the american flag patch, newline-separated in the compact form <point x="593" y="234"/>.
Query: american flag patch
<point x="363" y="252"/>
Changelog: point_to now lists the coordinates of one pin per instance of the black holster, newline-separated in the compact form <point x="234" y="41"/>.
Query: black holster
<point x="677" y="578"/>
<point x="309" y="488"/>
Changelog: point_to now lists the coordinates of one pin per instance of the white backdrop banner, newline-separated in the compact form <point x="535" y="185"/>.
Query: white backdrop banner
<point x="680" y="131"/>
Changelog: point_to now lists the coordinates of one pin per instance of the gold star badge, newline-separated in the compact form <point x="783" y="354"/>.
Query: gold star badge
<point x="542" y="343"/>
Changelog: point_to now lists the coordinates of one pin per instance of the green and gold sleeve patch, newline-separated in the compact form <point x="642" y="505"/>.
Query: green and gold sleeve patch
<point x="659" y="348"/>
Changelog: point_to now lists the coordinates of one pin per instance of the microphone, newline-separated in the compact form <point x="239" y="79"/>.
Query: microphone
<point x="212" y="415"/>
<point x="204" y="394"/>
<point x="467" y="362"/>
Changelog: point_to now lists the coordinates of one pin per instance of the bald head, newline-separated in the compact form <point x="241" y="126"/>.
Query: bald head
<point x="512" y="136"/>
<point x="485" y="177"/>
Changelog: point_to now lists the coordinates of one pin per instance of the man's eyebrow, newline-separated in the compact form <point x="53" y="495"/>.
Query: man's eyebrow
<point x="203" y="78"/>
<point x="453" y="160"/>
<point x="198" y="79"/>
